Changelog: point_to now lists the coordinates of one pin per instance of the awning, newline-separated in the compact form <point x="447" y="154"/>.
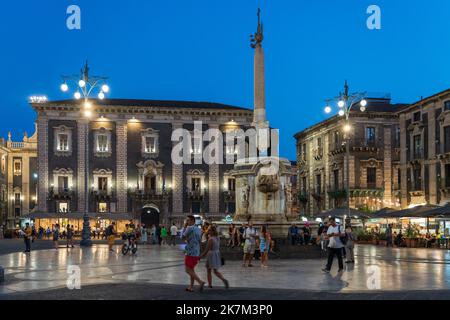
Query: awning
<point x="79" y="215"/>
<point x="341" y="212"/>
<point x="416" y="212"/>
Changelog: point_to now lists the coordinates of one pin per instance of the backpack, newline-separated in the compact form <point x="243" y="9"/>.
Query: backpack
<point x="344" y="239"/>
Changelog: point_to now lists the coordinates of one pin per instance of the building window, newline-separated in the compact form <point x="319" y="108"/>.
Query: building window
<point x="149" y="184"/>
<point x="417" y="179"/>
<point x="196" y="181"/>
<point x="63" y="141"/>
<point x="447" y="105"/>
<point x="62" y="179"/>
<point x="231" y="184"/>
<point x="196" y="184"/>
<point x="336" y="179"/>
<point x="318" y="184"/>
<point x="371" y="178"/>
<point x="102" y="184"/>
<point x="102" y="143"/>
<point x="397" y="137"/>
<point x="447" y="175"/>
<point x="304" y="187"/>
<point x="102" y="181"/>
<point x="416" y="116"/>
<point x="17" y="212"/>
<point x="63" y="207"/>
<point x="102" y="138"/>
<point x="17" y="167"/>
<point x="63" y="184"/>
<point x="3" y="164"/>
<point x="150" y="143"/>
<point x="417" y="146"/>
<point x="17" y="199"/>
<point x="447" y="139"/>
<point x="102" y="207"/>
<point x="304" y="153"/>
<point x="196" y="146"/>
<point x="370" y="135"/>
<point x="337" y="139"/>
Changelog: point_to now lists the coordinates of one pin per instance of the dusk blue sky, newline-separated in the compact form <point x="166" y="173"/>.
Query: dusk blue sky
<point x="199" y="50"/>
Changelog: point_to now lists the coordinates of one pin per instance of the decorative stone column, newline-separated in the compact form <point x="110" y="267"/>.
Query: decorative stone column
<point x="25" y="185"/>
<point x="432" y="155"/>
<point x="403" y="165"/>
<point x="326" y="178"/>
<point x="42" y="150"/>
<point x="121" y="165"/>
<point x="177" y="182"/>
<point x="82" y="165"/>
<point x="214" y="184"/>
<point x="387" y="166"/>
<point x="311" y="181"/>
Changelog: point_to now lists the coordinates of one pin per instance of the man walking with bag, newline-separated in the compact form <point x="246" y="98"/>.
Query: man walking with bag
<point x="335" y="235"/>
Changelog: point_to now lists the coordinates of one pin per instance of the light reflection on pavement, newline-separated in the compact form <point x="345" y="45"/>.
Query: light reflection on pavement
<point x="399" y="270"/>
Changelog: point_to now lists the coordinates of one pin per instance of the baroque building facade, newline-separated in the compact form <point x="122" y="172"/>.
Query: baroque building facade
<point x="374" y="160"/>
<point x="129" y="170"/>
<point x="425" y="156"/>
<point x="18" y="180"/>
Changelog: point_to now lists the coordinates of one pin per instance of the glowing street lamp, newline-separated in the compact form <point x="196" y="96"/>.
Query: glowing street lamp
<point x="346" y="102"/>
<point x="85" y="85"/>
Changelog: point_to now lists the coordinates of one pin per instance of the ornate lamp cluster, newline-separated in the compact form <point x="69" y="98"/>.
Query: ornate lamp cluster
<point x="85" y="86"/>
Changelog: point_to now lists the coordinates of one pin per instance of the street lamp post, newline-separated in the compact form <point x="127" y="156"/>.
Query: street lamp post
<point x="86" y="85"/>
<point x="346" y="102"/>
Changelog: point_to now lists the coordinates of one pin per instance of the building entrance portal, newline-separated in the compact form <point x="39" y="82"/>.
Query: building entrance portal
<point x="150" y="215"/>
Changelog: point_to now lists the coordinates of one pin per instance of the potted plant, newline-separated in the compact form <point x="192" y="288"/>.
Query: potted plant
<point x="364" y="237"/>
<point x="382" y="239"/>
<point x="412" y="234"/>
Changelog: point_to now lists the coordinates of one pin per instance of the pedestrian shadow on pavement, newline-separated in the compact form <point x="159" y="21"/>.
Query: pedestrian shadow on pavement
<point x="333" y="283"/>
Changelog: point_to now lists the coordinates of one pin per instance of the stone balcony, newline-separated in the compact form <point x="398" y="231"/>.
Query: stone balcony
<point x="61" y="194"/>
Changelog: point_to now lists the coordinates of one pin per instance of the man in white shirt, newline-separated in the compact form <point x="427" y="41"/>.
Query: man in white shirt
<point x="173" y="234"/>
<point x="249" y="245"/>
<point x="334" y="233"/>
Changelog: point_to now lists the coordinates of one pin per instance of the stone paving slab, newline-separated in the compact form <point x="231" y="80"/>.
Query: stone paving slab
<point x="126" y="291"/>
<point x="400" y="270"/>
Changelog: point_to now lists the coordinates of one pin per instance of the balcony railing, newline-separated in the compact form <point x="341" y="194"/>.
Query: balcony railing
<point x="61" y="193"/>
<point x="149" y="194"/>
<point x="230" y="195"/>
<point x="318" y="153"/>
<point x="365" y="145"/>
<point x="196" y="194"/>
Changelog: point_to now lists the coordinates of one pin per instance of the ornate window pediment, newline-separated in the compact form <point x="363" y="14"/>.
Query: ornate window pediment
<point x="102" y="142"/>
<point x="150" y="176"/>
<point x="372" y="163"/>
<point x="196" y="181"/>
<point x="17" y="167"/>
<point x="63" y="141"/>
<point x="62" y="179"/>
<point x="103" y="181"/>
<point x="150" y="143"/>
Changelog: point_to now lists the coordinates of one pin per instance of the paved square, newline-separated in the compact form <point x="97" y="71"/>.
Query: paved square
<point x="399" y="270"/>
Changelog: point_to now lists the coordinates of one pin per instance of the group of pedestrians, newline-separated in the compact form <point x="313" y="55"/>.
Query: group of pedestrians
<point x="340" y="243"/>
<point x="192" y="235"/>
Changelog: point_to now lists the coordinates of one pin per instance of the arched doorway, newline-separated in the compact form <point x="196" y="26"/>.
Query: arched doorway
<point x="150" y="215"/>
